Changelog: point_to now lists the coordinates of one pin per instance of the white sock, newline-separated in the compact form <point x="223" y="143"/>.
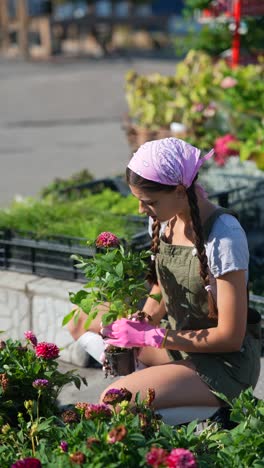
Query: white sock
<point x="93" y="344"/>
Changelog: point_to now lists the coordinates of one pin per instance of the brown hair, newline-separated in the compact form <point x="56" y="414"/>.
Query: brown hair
<point x="138" y="181"/>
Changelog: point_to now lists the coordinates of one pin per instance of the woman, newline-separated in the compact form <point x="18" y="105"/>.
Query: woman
<point x="201" y="269"/>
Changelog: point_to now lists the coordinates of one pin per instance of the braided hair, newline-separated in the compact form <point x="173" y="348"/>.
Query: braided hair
<point x="200" y="247"/>
<point x="138" y="181"/>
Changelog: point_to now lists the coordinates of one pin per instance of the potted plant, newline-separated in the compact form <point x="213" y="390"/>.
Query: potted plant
<point x="115" y="275"/>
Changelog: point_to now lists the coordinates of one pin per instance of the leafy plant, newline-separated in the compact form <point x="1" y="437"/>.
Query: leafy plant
<point x="29" y="372"/>
<point x="117" y="433"/>
<point x="208" y="97"/>
<point x="56" y="187"/>
<point x="84" y="217"/>
<point x="115" y="276"/>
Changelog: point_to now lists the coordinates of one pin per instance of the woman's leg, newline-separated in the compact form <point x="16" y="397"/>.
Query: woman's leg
<point x="89" y="339"/>
<point x="176" y="384"/>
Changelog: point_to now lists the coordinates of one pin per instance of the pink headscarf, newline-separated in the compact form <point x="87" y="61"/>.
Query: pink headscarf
<point x="169" y="161"/>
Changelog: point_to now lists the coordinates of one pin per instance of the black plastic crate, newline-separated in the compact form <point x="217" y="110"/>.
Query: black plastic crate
<point x="117" y="184"/>
<point x="51" y="257"/>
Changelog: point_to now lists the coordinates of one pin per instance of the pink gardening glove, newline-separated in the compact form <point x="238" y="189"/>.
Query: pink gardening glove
<point x="126" y="333"/>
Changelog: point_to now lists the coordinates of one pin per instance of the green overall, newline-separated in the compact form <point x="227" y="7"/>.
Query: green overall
<point x="186" y="305"/>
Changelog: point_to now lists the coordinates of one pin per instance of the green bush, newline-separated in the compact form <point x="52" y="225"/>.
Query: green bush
<point x="115" y="433"/>
<point x="85" y="217"/>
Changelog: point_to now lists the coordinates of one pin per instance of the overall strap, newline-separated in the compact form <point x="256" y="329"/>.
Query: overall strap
<point x="208" y="225"/>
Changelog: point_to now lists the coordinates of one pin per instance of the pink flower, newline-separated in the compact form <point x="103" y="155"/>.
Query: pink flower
<point x="181" y="458"/>
<point x="29" y="335"/>
<point x="210" y="110"/>
<point x="64" y="446"/>
<point x="107" y="239"/>
<point x="228" y="82"/>
<point x="94" y="411"/>
<point x="157" y="457"/>
<point x="198" y="107"/>
<point x="223" y="150"/>
<point x="47" y="350"/>
<point x="27" y="463"/>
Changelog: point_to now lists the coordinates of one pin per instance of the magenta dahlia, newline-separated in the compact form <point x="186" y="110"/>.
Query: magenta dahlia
<point x="64" y="446"/>
<point x="30" y="336"/>
<point x="27" y="463"/>
<point x="181" y="458"/>
<point x="107" y="239"/>
<point x="223" y="150"/>
<point x="157" y="457"/>
<point x="47" y="350"/>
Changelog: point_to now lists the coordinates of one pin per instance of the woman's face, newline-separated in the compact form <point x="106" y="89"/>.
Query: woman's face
<point x="160" y="204"/>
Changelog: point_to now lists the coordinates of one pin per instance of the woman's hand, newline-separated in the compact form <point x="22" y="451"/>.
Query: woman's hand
<point x="126" y="333"/>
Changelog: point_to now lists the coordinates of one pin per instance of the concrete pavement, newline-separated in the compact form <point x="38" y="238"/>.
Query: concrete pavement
<point x="61" y="117"/>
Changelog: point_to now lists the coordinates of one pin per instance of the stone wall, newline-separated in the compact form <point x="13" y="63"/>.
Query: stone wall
<point x="28" y="302"/>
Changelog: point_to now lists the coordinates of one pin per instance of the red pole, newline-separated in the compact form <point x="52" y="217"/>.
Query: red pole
<point x="236" y="37"/>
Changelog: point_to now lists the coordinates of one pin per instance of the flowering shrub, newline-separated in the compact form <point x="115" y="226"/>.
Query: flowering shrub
<point x="224" y="147"/>
<point x="133" y="436"/>
<point x="115" y="275"/>
<point x="29" y="372"/>
<point x="47" y="350"/>
<point x="209" y="98"/>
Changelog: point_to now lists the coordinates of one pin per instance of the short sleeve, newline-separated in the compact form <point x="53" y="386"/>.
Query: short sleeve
<point x="227" y="246"/>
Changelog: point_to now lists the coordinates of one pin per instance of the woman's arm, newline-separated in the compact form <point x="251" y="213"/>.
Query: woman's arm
<point x="155" y="308"/>
<point x="229" y="333"/>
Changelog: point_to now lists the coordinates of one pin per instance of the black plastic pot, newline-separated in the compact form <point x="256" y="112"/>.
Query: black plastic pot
<point x="119" y="362"/>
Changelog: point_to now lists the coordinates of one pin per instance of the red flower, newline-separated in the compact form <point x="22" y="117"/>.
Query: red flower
<point x="107" y="239"/>
<point x="181" y="458"/>
<point x="91" y="441"/>
<point x="157" y="457"/>
<point x="70" y="416"/>
<point x="78" y="457"/>
<point x="47" y="350"/>
<point x="27" y="463"/>
<point x="29" y="335"/>
<point x="117" y="434"/>
<point x="116" y="395"/>
<point x="223" y="150"/>
<point x="228" y="82"/>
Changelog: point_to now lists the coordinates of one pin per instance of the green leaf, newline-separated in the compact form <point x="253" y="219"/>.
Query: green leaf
<point x="76" y="298"/>
<point x="120" y="269"/>
<point x="68" y="317"/>
<point x="191" y="427"/>
<point x="157" y="297"/>
<point x="137" y="398"/>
